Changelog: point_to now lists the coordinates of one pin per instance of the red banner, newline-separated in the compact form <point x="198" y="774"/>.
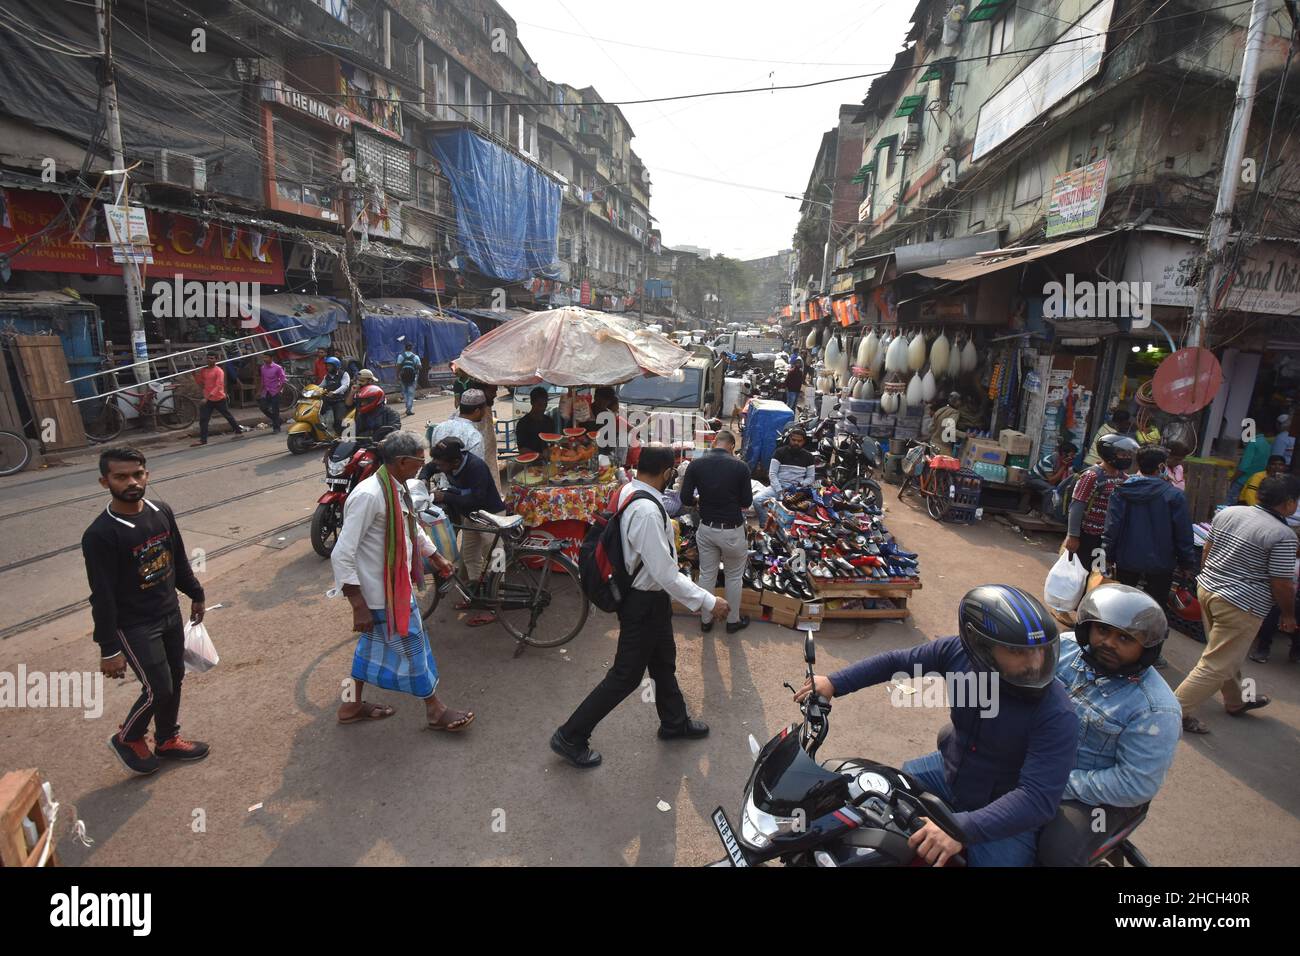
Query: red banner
<point x="229" y="253"/>
<point x="586" y="293"/>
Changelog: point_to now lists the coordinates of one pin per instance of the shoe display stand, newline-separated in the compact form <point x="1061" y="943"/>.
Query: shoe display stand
<point x="830" y="593"/>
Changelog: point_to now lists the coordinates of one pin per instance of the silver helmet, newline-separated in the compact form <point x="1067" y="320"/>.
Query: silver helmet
<point x="1126" y="609"/>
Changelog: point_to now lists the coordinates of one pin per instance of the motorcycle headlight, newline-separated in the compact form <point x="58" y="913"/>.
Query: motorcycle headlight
<point x="757" y="827"/>
<point x="335" y="468"/>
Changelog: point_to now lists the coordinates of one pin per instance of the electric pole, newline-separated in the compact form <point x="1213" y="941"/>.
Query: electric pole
<point x="130" y="270"/>
<point x="1229" y="175"/>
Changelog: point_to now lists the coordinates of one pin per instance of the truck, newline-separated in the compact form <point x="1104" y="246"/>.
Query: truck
<point x="748" y="343"/>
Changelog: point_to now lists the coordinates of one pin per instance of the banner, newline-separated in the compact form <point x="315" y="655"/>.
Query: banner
<point x="1077" y="198"/>
<point x="178" y="242"/>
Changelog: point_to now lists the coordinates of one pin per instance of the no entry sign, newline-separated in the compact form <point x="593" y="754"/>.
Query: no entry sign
<point x="1187" y="381"/>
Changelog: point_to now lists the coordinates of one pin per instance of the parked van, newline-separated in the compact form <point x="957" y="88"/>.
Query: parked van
<point x="740" y="343"/>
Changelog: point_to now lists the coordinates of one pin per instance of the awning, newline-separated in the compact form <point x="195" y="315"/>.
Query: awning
<point x="861" y="175"/>
<point x="936" y="70"/>
<point x="909" y="104"/>
<point x="963" y="270"/>
<point x="986" y="10"/>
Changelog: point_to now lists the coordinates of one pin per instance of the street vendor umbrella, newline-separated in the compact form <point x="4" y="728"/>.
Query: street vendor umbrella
<point x="569" y="347"/>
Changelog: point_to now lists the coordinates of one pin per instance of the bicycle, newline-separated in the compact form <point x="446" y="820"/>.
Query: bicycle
<point x="15" y="452"/>
<point x="933" y="474"/>
<point x="156" y="403"/>
<point x="519" y="584"/>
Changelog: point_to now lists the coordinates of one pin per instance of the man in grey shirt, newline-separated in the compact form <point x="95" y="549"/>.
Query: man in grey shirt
<point x="721" y="482"/>
<point x="1248" y="565"/>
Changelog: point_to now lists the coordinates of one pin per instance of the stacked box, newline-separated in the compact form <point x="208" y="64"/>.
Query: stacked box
<point x="982" y="449"/>
<point x="1014" y="442"/>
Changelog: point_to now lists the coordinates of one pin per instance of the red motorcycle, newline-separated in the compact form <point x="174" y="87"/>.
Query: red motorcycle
<point x="347" y="464"/>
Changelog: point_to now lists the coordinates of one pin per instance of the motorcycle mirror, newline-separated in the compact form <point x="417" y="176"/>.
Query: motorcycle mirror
<point x="809" y="649"/>
<point x="754" y="747"/>
<point x="851" y="419"/>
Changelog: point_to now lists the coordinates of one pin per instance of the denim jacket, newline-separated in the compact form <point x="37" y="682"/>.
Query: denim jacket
<point x="1128" y="730"/>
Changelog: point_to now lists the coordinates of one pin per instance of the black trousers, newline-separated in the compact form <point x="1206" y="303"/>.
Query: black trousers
<point x="205" y="413"/>
<point x="645" y="642"/>
<point x="1078" y="831"/>
<point x="1155" y="583"/>
<point x="270" y="406"/>
<point x="1264" y="639"/>
<point x="336" y="409"/>
<point x="156" y="652"/>
<point x="1089" y="548"/>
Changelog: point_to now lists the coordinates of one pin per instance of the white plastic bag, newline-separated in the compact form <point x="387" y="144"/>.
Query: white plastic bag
<point x="1065" y="583"/>
<point x="200" y="652"/>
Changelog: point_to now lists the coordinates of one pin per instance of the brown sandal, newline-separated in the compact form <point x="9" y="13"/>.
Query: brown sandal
<point x="369" y="711"/>
<point x="458" y="722"/>
<point x="1193" y="726"/>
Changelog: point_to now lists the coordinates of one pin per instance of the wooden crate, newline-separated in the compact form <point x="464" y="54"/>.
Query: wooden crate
<point x="897" y="593"/>
<point x="1206" y="486"/>
<point x="20" y="799"/>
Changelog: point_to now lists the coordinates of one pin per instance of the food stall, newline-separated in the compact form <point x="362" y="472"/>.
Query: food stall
<point x="559" y="490"/>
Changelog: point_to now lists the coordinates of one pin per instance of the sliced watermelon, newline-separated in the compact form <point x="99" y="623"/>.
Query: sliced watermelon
<point x="551" y="436"/>
<point x="528" y="457"/>
<point x="575" y="432"/>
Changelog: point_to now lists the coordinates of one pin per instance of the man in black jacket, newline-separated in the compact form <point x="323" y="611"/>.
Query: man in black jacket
<point x="136" y="563"/>
<point x="721" y="481"/>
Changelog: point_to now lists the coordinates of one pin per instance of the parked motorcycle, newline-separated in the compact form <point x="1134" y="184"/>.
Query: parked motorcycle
<point x="308" y="431"/>
<point x="347" y="464"/>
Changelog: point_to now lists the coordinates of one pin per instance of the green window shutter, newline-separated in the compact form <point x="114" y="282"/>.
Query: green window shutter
<point x="986" y="10"/>
<point x="910" y="104"/>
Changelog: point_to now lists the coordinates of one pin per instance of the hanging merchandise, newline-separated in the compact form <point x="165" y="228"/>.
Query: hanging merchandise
<point x="832" y="354"/>
<point x="867" y="350"/>
<point x="915" y="393"/>
<point x="969" y="357"/>
<point x="856" y="391"/>
<point x="954" y="363"/>
<point x="896" y="357"/>
<point x="929" y="388"/>
<point x="842" y="361"/>
<point x="939" y="354"/>
<point x="868" y="390"/>
<point x="889" y="403"/>
<point x="916" y="353"/>
<point x="878" y="361"/>
<point x="811" y="341"/>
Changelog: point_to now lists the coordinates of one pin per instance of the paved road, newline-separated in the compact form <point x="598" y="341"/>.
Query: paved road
<point x="392" y="792"/>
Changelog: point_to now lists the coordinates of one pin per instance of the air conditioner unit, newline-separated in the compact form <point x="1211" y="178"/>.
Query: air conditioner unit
<point x="910" y="139"/>
<point x="180" y="169"/>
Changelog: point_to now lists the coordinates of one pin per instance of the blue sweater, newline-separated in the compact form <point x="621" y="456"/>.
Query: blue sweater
<point x="1007" y="772"/>
<point x="1149" y="527"/>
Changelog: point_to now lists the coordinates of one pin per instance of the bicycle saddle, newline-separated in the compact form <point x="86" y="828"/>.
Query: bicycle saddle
<point x="505" y="522"/>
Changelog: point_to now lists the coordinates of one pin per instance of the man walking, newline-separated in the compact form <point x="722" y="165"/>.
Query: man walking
<point x="213" y="382"/>
<point x="1248" y="567"/>
<point x="378" y="564"/>
<point x="408" y="373"/>
<point x="721" y="481"/>
<point x="645" y="617"/>
<point x="1091" y="498"/>
<point x="271" y="379"/>
<point x="794" y="379"/>
<point x="136" y="562"/>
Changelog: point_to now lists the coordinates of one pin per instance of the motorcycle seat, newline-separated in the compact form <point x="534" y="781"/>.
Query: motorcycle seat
<point x="504" y="522"/>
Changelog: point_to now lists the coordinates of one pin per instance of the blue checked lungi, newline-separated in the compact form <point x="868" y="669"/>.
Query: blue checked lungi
<point x="402" y="663"/>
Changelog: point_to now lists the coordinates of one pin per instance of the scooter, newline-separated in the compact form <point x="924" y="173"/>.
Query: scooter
<point x="308" y="431"/>
<point x="347" y="464"/>
<point x="840" y="812"/>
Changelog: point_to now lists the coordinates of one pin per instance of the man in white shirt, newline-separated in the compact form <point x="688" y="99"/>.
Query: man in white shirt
<point x="645" y="618"/>
<point x="464" y="425"/>
<point x="392" y="649"/>
<point x="1284" y="443"/>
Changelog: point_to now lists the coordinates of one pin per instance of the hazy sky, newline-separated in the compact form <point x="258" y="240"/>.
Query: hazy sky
<point x="767" y="140"/>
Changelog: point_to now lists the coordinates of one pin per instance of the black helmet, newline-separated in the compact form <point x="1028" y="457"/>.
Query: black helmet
<point x="998" y="615"/>
<point x="1126" y="609"/>
<point x="1117" y="450"/>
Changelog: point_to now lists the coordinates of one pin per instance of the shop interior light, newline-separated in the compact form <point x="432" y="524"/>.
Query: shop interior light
<point x="1137" y="348"/>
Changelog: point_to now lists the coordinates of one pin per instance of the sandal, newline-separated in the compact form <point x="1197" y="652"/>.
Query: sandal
<point x="1193" y="726"/>
<point x="482" y="620"/>
<point x="369" y="711"/>
<point x="458" y="722"/>
<point x="1263" y="701"/>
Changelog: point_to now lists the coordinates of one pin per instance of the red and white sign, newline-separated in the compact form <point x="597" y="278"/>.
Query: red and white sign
<point x="1187" y="381"/>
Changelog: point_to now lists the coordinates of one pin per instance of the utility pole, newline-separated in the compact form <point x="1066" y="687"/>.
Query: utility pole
<point x="130" y="270"/>
<point x="641" y="298"/>
<point x="1230" y="174"/>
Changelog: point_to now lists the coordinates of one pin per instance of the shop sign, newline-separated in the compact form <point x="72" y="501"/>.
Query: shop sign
<point x="1077" y="198"/>
<point x="276" y="92"/>
<point x="128" y="231"/>
<point x="944" y="309"/>
<point x="1267" y="280"/>
<point x="178" y="245"/>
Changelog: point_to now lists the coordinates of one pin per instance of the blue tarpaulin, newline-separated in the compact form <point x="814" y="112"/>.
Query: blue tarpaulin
<point x="318" y="316"/>
<point x="507" y="212"/>
<point x="765" y="421"/>
<point x="436" y="338"/>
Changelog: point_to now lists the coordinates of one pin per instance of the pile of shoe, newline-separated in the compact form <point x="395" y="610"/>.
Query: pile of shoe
<point x="841" y="538"/>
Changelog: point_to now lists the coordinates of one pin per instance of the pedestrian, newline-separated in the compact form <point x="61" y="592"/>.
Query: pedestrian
<point x="463" y="423"/>
<point x="271" y="380"/>
<point x="1148" y="530"/>
<point x="470" y="489"/>
<point x="213" y="382"/>
<point x="1248" y="566"/>
<point x="1276" y="466"/>
<point x="1174" y="471"/>
<point x="721" y="481"/>
<point x="1263" y="646"/>
<point x="1048" y="474"/>
<point x="336" y="383"/>
<point x="378" y="565"/>
<point x="136" y="562"/>
<point x="1091" y="498"/>
<point x="1120" y="423"/>
<point x="794" y="379"/>
<point x="320" y="369"/>
<point x="1284" y="443"/>
<point x="645" y="618"/>
<point x="408" y="373"/>
<point x="1148" y="434"/>
<point x="1254" y="459"/>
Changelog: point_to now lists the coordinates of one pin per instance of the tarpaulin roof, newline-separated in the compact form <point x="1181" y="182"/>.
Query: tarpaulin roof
<point x="435" y="337"/>
<point x="317" y="314"/>
<point x="961" y="270"/>
<point x="507" y="212"/>
<point x="569" y="346"/>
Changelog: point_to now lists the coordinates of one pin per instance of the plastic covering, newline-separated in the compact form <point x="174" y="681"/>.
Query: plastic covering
<point x="568" y="347"/>
<point x="318" y="316"/>
<point x="507" y="212"/>
<point x="436" y="337"/>
<point x="764" y="424"/>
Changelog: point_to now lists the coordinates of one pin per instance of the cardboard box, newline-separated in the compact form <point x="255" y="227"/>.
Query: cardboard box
<point x="784" y="618"/>
<point x="1014" y="442"/>
<point x="751" y="602"/>
<point x="1016" y="476"/>
<point x="1017" y="461"/>
<point x="781" y="602"/>
<point x="982" y="449"/>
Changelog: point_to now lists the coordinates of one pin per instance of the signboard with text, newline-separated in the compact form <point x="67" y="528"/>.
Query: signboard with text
<point x="1077" y="198"/>
<point x="1267" y="279"/>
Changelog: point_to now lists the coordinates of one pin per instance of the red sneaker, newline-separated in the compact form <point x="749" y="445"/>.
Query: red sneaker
<point x="134" y="754"/>
<point x="178" y="748"/>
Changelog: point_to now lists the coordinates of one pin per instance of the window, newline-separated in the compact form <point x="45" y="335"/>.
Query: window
<point x="1002" y="31"/>
<point x="1029" y="182"/>
<point x="305" y="163"/>
<point x="978" y="210"/>
<point x="389" y="163"/>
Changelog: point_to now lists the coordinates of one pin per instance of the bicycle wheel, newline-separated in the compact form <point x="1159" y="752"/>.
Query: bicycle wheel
<point x="289" y="396"/>
<point x="936" y="502"/>
<point x="179" y="411"/>
<point x="15" y="453"/>
<point x="103" y="422"/>
<point x="539" y="598"/>
<point x="429" y="599"/>
<point x="868" y="490"/>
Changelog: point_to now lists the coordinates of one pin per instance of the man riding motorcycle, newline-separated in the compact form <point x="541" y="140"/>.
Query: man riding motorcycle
<point x="1004" y="762"/>
<point x="373" y="412"/>
<point x="1129" y="721"/>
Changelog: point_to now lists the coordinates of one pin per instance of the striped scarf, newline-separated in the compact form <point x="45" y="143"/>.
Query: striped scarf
<point x="397" y="568"/>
